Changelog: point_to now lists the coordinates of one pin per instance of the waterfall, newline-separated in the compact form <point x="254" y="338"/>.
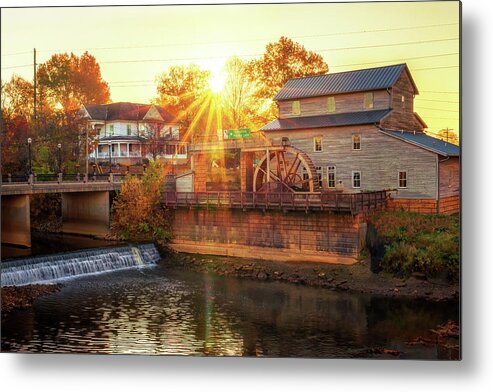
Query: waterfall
<point x="52" y="268"/>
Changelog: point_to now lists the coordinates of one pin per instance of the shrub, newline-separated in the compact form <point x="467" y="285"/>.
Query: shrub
<point x="415" y="242"/>
<point x="137" y="212"/>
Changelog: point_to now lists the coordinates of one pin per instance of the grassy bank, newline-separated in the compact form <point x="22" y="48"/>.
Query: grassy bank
<point x="420" y="244"/>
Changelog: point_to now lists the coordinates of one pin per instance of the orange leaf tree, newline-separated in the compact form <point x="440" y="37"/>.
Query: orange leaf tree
<point x="137" y="213"/>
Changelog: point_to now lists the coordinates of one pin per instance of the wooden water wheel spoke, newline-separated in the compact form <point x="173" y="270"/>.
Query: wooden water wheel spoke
<point x="280" y="171"/>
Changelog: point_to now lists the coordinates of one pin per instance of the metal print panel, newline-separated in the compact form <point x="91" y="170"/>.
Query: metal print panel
<point x="277" y="180"/>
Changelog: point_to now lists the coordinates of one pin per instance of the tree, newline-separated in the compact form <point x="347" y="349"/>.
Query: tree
<point x="448" y="135"/>
<point x="67" y="81"/>
<point x="181" y="90"/>
<point x="18" y="98"/>
<point x="282" y="61"/>
<point x="239" y="103"/>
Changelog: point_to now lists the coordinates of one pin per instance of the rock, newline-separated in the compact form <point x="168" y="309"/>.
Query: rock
<point x="401" y="284"/>
<point x="418" y="275"/>
<point x="321" y="275"/>
<point x="262" y="275"/>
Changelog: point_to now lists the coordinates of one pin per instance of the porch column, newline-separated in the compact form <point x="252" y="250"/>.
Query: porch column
<point x="128" y="150"/>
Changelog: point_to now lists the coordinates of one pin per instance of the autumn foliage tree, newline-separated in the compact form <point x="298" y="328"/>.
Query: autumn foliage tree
<point x="137" y="214"/>
<point x="282" y="61"/>
<point x="67" y="81"/>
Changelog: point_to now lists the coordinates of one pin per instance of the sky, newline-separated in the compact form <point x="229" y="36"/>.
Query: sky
<point x="135" y="44"/>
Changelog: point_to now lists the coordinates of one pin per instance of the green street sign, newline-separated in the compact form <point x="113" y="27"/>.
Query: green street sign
<point x="242" y="133"/>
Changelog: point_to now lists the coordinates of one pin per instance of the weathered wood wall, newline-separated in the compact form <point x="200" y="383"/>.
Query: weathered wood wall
<point x="321" y="236"/>
<point x="351" y="102"/>
<point x="449" y="177"/>
<point x="380" y="159"/>
<point x="402" y="115"/>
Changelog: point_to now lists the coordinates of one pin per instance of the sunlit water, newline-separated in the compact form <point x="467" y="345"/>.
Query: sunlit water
<point x="161" y="311"/>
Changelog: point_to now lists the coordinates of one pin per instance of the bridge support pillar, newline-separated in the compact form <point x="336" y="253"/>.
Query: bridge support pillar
<point x="16" y="220"/>
<point x="86" y="213"/>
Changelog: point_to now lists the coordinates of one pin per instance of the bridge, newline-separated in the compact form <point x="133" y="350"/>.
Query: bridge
<point x="85" y="203"/>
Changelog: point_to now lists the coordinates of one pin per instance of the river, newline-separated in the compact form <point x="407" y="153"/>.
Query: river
<point x="158" y="310"/>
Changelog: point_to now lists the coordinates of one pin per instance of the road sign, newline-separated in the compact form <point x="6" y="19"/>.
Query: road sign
<point x="242" y="133"/>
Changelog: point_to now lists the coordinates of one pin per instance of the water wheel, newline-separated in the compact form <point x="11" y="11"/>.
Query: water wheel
<point x="285" y="170"/>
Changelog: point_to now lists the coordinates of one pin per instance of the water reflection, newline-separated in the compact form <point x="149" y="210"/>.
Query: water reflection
<point x="157" y="311"/>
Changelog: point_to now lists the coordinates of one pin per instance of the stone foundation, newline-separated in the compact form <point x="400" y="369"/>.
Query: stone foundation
<point x="273" y="235"/>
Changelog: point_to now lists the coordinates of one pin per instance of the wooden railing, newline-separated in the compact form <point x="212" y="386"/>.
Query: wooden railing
<point x="330" y="201"/>
<point x="63" y="178"/>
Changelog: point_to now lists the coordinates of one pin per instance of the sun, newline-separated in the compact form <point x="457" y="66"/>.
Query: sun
<point x="217" y="82"/>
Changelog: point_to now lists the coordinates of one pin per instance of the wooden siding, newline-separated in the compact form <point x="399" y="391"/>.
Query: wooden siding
<point x="352" y="102"/>
<point x="449" y="177"/>
<point x="380" y="159"/>
<point x="402" y="115"/>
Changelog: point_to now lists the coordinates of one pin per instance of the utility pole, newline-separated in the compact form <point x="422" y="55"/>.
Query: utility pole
<point x="35" y="114"/>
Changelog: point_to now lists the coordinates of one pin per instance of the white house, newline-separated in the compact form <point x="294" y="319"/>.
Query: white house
<point x="128" y="132"/>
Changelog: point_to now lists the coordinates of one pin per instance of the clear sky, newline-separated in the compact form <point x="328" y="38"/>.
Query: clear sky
<point x="134" y="44"/>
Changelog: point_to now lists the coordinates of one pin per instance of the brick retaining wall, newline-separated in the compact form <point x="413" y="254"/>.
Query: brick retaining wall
<point x="317" y="236"/>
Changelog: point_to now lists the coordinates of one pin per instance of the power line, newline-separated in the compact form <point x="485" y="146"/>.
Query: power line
<point x="440" y="92"/>
<point x="395" y="60"/>
<point x="440" y="110"/>
<point x="260" y="54"/>
<point x="436" y="100"/>
<point x="248" y="40"/>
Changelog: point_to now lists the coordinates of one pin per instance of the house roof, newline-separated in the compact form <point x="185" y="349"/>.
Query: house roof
<point x="343" y="82"/>
<point x="126" y="111"/>
<point x="115" y="138"/>
<point x="330" y="120"/>
<point x="425" y="141"/>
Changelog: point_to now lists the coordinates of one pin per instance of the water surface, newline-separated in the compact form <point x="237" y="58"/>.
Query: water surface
<point x="161" y="311"/>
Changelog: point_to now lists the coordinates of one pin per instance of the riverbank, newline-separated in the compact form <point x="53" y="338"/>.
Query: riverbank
<point x="356" y="277"/>
<point x="21" y="297"/>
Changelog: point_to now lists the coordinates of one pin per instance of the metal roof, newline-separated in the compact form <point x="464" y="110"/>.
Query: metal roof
<point x="425" y="141"/>
<point x="343" y="82"/>
<point x="330" y="120"/>
<point x="128" y="111"/>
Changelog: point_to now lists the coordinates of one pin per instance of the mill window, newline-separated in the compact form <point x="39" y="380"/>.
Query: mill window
<point x="296" y="108"/>
<point x="403" y="179"/>
<point x="331" y="176"/>
<point x="356" y="179"/>
<point x="331" y="104"/>
<point x="357" y="142"/>
<point x="317" y="144"/>
<point x="368" y="102"/>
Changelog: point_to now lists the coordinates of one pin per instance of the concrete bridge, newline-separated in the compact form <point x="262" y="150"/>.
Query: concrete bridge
<point x="85" y="203"/>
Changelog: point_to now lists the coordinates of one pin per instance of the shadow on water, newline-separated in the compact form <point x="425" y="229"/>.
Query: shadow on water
<point x="49" y="243"/>
<point x="162" y="311"/>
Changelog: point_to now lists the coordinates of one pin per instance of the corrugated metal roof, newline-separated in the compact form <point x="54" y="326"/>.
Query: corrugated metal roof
<point x="124" y="111"/>
<point x="341" y="82"/>
<point x="425" y="141"/>
<point x="329" y="120"/>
